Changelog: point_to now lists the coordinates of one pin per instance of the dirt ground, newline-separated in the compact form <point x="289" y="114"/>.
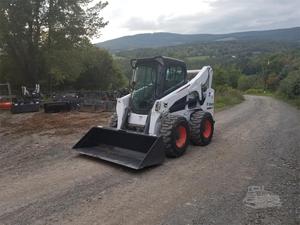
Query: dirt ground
<point x="256" y="146"/>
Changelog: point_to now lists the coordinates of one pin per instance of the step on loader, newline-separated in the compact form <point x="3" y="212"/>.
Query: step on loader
<point x="164" y="112"/>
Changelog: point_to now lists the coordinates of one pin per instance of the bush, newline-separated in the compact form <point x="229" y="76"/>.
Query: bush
<point x="290" y="86"/>
<point x="227" y="96"/>
<point x="246" y="82"/>
<point x="226" y="76"/>
<point x="295" y="102"/>
<point x="257" y="91"/>
<point x="273" y="82"/>
<point x="99" y="71"/>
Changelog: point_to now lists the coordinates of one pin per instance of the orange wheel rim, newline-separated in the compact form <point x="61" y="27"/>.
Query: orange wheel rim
<point x="182" y="136"/>
<point x="207" y="129"/>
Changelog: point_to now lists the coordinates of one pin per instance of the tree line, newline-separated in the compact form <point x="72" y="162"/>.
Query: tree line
<point x="48" y="42"/>
<point x="251" y="67"/>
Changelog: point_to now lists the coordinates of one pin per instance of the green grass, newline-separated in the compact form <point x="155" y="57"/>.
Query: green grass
<point x="260" y="92"/>
<point x="294" y="102"/>
<point x="197" y="58"/>
<point x="226" y="97"/>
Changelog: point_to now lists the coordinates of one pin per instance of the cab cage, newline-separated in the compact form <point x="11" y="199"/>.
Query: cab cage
<point x="162" y="64"/>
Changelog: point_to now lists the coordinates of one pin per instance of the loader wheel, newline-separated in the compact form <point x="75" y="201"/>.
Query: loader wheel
<point x="202" y="128"/>
<point x="175" y="131"/>
<point x="113" y="120"/>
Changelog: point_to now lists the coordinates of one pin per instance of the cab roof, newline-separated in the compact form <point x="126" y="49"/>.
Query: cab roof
<point x="163" y="60"/>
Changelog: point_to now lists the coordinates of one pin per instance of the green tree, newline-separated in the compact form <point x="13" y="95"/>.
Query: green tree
<point x="36" y="34"/>
<point x="290" y="86"/>
<point x="226" y="76"/>
<point x="246" y="82"/>
<point x="273" y="82"/>
<point x="99" y="71"/>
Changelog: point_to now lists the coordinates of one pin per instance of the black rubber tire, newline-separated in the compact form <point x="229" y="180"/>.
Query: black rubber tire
<point x="197" y="128"/>
<point x="113" y="120"/>
<point x="168" y="131"/>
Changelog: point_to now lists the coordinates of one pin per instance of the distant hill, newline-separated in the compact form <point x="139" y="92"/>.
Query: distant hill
<point x="154" y="40"/>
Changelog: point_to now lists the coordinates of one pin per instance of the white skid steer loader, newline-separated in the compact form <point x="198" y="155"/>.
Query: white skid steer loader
<point x="161" y="115"/>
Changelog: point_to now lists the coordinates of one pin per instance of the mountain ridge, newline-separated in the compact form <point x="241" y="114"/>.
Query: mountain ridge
<point x="164" y="39"/>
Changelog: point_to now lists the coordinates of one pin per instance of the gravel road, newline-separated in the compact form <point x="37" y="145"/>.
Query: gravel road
<point x="249" y="174"/>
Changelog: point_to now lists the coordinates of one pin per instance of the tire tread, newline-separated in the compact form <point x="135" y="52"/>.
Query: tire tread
<point x="195" y="122"/>
<point x="168" y="123"/>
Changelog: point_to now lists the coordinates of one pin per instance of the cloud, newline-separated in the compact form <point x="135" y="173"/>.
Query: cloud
<point x="225" y="16"/>
<point x="127" y="17"/>
<point x="136" y="23"/>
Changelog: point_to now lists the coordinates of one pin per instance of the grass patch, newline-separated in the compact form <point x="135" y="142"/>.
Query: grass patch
<point x="226" y="97"/>
<point x="197" y="58"/>
<point x="294" y="102"/>
<point x="260" y="92"/>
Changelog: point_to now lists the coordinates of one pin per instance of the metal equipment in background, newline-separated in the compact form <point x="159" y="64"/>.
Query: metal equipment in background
<point x="62" y="103"/>
<point x="96" y="101"/>
<point x="28" y="102"/>
<point x="100" y="101"/>
<point x="161" y="115"/>
<point x="5" y="96"/>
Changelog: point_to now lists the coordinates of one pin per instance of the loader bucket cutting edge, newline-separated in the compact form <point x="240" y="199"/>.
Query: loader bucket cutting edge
<point x="133" y="150"/>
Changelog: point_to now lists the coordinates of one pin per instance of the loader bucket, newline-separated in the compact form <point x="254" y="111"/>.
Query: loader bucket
<point x="125" y="148"/>
<point x="55" y="107"/>
<point x="25" y="108"/>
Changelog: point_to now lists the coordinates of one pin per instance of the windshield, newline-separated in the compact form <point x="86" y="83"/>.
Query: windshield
<point x="143" y="95"/>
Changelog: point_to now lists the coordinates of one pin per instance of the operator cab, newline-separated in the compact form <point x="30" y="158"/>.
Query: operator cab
<point x="154" y="78"/>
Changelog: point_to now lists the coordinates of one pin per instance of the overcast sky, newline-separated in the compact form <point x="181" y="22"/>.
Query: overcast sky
<point x="127" y="17"/>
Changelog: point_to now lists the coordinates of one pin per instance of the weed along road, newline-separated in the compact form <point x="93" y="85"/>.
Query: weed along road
<point x="247" y="175"/>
